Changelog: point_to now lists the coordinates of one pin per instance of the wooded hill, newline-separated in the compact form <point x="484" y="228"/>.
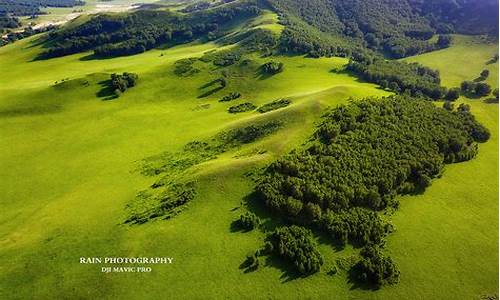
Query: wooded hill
<point x="349" y="28"/>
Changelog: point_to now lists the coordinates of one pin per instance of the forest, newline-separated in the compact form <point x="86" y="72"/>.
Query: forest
<point x="400" y="77"/>
<point x="32" y="7"/>
<point x="393" y="28"/>
<point x="118" y="35"/>
<point x="361" y="156"/>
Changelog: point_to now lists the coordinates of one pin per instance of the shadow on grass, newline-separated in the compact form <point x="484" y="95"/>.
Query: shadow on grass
<point x="491" y="101"/>
<point x="106" y="92"/>
<point x="353" y="276"/>
<point x="213" y="90"/>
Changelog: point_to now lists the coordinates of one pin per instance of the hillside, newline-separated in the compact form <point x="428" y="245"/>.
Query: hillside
<point x="269" y="147"/>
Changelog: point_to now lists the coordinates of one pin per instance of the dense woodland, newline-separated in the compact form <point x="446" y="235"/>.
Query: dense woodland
<point x="359" y="159"/>
<point x="32" y="7"/>
<point x="116" y="35"/>
<point x="348" y="28"/>
<point x="394" y="28"/>
<point x="400" y="77"/>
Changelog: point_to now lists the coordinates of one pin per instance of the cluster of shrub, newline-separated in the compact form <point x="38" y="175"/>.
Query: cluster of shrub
<point x="400" y="77"/>
<point x="273" y="67"/>
<point x="227" y="58"/>
<point x="296" y="245"/>
<point x="248" y="134"/>
<point x="7" y="21"/>
<point x="161" y="201"/>
<point x="375" y="267"/>
<point x="475" y="89"/>
<point x="120" y="83"/>
<point x="231" y="96"/>
<point x="248" y="221"/>
<point x="359" y="159"/>
<point x="277" y="104"/>
<point x="243" y="107"/>
<point x="184" y="67"/>
<point x="116" y="35"/>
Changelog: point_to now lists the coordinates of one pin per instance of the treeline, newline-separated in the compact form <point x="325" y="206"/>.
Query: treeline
<point x="8" y="22"/>
<point x="32" y="7"/>
<point x="358" y="160"/>
<point x="27" y="32"/>
<point x="400" y="77"/>
<point x="116" y="35"/>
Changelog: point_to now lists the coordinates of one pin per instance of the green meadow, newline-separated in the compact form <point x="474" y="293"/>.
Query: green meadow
<point x="70" y="158"/>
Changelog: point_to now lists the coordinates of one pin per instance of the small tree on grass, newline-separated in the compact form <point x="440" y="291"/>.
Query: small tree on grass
<point x="273" y="67"/>
<point x="452" y="94"/>
<point x="248" y="221"/>
<point x="485" y="74"/>
<point x="482" y="89"/>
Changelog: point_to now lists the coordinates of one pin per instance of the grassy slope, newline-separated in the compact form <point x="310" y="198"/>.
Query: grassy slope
<point x="67" y="171"/>
<point x="66" y="175"/>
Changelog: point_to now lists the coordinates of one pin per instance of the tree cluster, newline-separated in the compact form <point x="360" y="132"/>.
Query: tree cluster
<point x="475" y="89"/>
<point x="400" y="77"/>
<point x="248" y="221"/>
<point x="296" y="245"/>
<point x="273" y="67"/>
<point x="120" y="83"/>
<point x="362" y="156"/>
<point x="375" y="268"/>
<point x="231" y="96"/>
<point x="185" y="67"/>
<point x="243" y="107"/>
<point x="32" y="7"/>
<point x="277" y="104"/>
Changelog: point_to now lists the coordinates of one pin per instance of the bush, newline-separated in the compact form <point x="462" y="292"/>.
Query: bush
<point x="374" y="268"/>
<point x="484" y="74"/>
<point x="184" y="67"/>
<point x="274" y="105"/>
<point x="296" y="245"/>
<point x="482" y="89"/>
<point x="248" y="221"/>
<point x="452" y="94"/>
<point x="230" y="97"/>
<point x="273" y="67"/>
<point x="244" y="107"/>
<point x="477" y="89"/>
<point x="120" y="83"/>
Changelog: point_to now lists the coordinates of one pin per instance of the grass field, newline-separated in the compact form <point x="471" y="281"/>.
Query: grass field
<point x="68" y="159"/>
